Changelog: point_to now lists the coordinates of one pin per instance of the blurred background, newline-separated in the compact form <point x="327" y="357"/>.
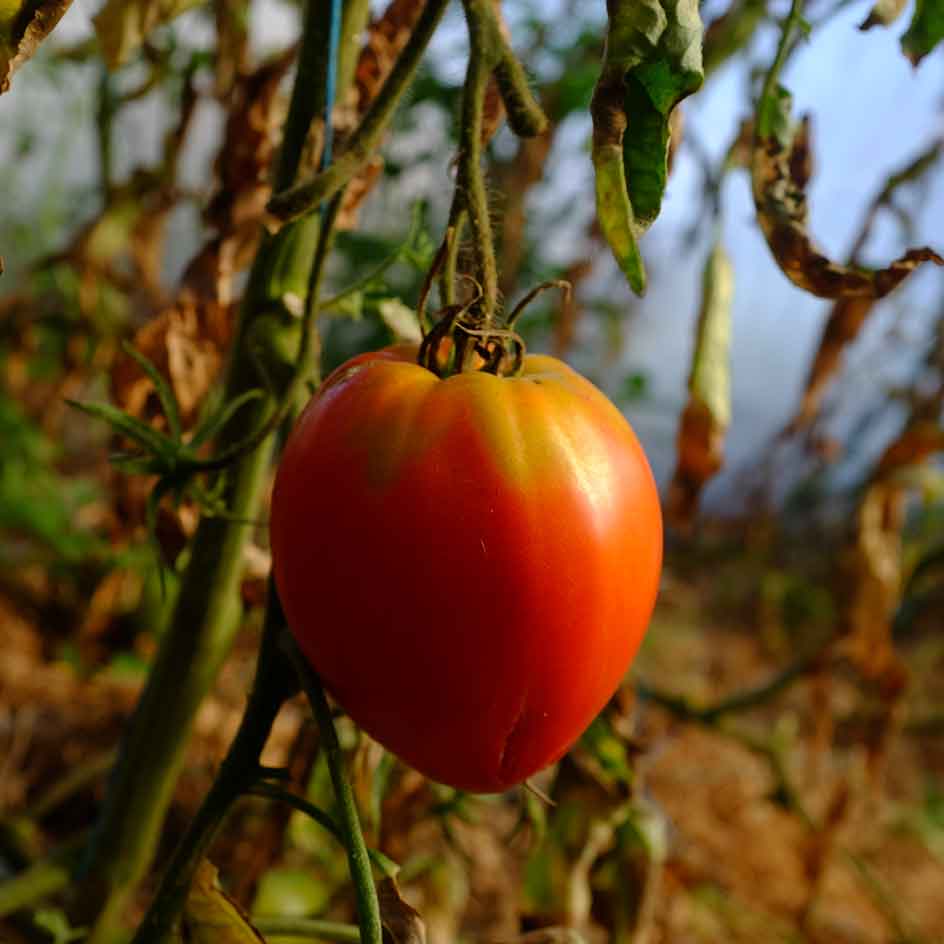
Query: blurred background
<point x="808" y="576"/>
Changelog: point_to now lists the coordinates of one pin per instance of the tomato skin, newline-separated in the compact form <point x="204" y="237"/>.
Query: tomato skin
<point x="470" y="563"/>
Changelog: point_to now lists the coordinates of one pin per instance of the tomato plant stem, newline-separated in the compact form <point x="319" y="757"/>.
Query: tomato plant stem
<point x="206" y="614"/>
<point x="291" y="202"/>
<point x="767" y="104"/>
<point x="368" y="907"/>
<point x="470" y="185"/>
<point x="274" y="683"/>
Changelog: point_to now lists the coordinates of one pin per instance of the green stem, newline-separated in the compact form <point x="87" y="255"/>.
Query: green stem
<point x="206" y="615"/>
<point x="299" y="371"/>
<point x="447" y="278"/>
<point x="525" y="115"/>
<point x="484" y="55"/>
<point x="307" y="928"/>
<point x="290" y="203"/>
<point x="384" y="864"/>
<point x="274" y="683"/>
<point x="766" y="105"/>
<point x="368" y="907"/>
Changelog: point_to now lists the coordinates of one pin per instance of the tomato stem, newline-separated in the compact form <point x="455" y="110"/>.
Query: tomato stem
<point x="274" y="683"/>
<point x="484" y="55"/>
<point x="368" y="906"/>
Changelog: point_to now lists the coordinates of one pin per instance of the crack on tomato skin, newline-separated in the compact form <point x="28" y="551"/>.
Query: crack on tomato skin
<point x="509" y="745"/>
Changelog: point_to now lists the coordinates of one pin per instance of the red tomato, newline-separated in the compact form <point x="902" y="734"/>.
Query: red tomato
<point x="469" y="563"/>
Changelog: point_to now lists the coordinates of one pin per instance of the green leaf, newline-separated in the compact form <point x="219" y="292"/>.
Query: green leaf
<point x="925" y="31"/>
<point x="615" y="214"/>
<point x="24" y="24"/>
<point x="652" y="61"/>
<point x="209" y="428"/>
<point x="164" y="392"/>
<point x="122" y="25"/>
<point x="121" y="422"/>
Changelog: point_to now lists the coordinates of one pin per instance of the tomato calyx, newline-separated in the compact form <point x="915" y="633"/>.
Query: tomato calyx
<point x="465" y="337"/>
<point x="462" y="340"/>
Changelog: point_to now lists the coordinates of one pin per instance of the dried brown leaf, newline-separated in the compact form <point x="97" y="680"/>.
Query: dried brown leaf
<point x="874" y="575"/>
<point x="249" y="142"/>
<point x="705" y="420"/>
<point x="842" y="327"/>
<point x="921" y="438"/>
<point x="781" y="168"/>
<point x="186" y="343"/>
<point x="211" y="916"/>
<point x="386" y="38"/>
<point x="402" y="923"/>
<point x="23" y="26"/>
<point x="232" y="44"/>
<point x="357" y="191"/>
<point x="884" y="13"/>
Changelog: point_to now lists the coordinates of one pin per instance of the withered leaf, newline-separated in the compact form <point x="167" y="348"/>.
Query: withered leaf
<point x="651" y="62"/>
<point x="874" y="571"/>
<point x="402" y="923"/>
<point x="211" y="916"/>
<point x="24" y="24"/>
<point x="705" y="420"/>
<point x="186" y="343"/>
<point x="122" y="25"/>
<point x="781" y="168"/>
<point x="884" y="13"/>
<point x="845" y="320"/>
<point x="848" y="314"/>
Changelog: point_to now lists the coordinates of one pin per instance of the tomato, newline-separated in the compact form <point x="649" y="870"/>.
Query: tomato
<point x="469" y="563"/>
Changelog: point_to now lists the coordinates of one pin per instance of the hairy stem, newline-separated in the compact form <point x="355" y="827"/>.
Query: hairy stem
<point x="292" y="202"/>
<point x="274" y="683"/>
<point x="484" y="54"/>
<point x="368" y="907"/>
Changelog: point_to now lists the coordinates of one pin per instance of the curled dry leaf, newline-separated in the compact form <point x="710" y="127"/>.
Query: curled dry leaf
<point x="402" y="923"/>
<point x="23" y="26"/>
<point x="651" y="62"/>
<point x="874" y="574"/>
<point x="849" y="314"/>
<point x="211" y="916"/>
<point x="781" y="169"/>
<point x="705" y="419"/>
<point x="884" y="13"/>
<point x="186" y="343"/>
<point x="249" y="142"/>
<point x="842" y="327"/>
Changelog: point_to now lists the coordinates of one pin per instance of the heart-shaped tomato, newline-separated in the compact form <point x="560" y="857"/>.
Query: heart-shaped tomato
<point x="469" y="563"/>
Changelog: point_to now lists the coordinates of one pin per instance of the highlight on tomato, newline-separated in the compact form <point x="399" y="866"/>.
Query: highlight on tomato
<point x="469" y="558"/>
